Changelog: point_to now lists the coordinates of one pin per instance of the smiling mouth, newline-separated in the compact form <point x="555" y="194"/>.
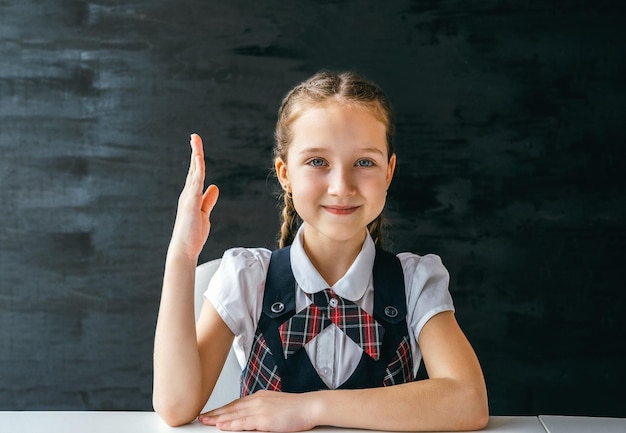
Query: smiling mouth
<point x="340" y="210"/>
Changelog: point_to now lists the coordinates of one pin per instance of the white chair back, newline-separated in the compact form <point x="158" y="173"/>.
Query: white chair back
<point x="227" y="386"/>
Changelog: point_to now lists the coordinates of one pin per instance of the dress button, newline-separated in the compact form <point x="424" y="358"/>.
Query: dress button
<point x="325" y="371"/>
<point x="277" y="307"/>
<point x="391" y="311"/>
<point x="333" y="303"/>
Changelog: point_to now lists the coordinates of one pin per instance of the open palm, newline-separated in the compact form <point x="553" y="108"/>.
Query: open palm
<point x="193" y="224"/>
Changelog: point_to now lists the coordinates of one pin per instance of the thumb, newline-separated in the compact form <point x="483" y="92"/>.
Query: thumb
<point x="209" y="198"/>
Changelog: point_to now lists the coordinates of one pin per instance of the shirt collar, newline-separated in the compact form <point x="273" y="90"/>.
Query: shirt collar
<point x="351" y="286"/>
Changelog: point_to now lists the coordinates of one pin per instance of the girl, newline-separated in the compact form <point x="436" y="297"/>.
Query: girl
<point x="330" y="319"/>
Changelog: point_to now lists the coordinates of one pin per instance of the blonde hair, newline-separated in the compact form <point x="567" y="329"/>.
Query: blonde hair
<point x="348" y="88"/>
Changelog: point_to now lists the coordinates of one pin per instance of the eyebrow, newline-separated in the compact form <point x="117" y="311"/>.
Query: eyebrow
<point x="324" y="149"/>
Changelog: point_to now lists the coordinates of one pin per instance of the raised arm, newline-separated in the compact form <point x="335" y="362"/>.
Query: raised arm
<point x="182" y="380"/>
<point x="453" y="398"/>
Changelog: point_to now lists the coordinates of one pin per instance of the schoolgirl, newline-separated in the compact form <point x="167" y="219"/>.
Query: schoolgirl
<point x="330" y="329"/>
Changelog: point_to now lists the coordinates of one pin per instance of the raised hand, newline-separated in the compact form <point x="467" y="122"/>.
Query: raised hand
<point x="178" y="392"/>
<point x="192" y="225"/>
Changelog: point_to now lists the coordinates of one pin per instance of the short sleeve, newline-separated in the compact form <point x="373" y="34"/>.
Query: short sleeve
<point x="236" y="292"/>
<point x="426" y="281"/>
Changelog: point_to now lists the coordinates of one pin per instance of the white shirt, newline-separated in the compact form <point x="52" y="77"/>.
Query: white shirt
<point x="236" y="291"/>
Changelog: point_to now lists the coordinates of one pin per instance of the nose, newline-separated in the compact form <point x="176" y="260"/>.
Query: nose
<point x="341" y="182"/>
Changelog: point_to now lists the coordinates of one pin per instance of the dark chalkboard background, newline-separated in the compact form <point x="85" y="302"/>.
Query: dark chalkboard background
<point x="511" y="143"/>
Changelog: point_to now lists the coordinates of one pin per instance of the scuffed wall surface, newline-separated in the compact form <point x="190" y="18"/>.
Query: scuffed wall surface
<point x="510" y="139"/>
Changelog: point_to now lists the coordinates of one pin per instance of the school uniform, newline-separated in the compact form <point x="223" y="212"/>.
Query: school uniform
<point x="332" y="358"/>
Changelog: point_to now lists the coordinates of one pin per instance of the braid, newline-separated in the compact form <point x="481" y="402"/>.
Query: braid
<point x="291" y="222"/>
<point x="376" y="230"/>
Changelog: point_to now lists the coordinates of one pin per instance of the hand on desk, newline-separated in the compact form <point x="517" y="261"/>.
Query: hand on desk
<point x="265" y="411"/>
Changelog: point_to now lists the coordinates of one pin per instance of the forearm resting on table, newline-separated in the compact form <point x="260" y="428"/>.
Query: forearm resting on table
<point x="432" y="404"/>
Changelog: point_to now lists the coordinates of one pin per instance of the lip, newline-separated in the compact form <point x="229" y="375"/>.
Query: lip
<point x="340" y="210"/>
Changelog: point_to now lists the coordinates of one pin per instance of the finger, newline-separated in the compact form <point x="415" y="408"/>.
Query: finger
<point x="213" y="421"/>
<point x="221" y="420"/>
<point x="207" y="419"/>
<point x="213" y="413"/>
<point x="235" y="425"/>
<point x="196" y="145"/>
<point x="210" y="198"/>
<point x="234" y="421"/>
<point x="226" y="412"/>
<point x="197" y="154"/>
<point x="229" y="407"/>
<point x="197" y="166"/>
<point x="197" y="175"/>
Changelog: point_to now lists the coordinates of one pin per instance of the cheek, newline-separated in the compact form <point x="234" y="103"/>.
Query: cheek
<point x="379" y="193"/>
<point x="303" y="181"/>
<point x="304" y="192"/>
<point x="301" y="190"/>
<point x="377" y="184"/>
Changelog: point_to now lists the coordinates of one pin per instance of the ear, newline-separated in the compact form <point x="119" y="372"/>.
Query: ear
<point x="391" y="168"/>
<point x="281" y="173"/>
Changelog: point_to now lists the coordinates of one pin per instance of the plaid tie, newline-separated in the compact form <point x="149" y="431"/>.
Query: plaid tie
<point x="329" y="308"/>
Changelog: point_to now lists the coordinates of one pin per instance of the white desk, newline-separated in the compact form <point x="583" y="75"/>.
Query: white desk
<point x="149" y="422"/>
<point x="582" y="424"/>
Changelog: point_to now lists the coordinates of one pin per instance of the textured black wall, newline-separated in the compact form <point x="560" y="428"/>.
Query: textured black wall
<point x="511" y="144"/>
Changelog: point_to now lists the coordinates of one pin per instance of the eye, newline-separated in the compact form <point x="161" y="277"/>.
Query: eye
<point x="365" y="163"/>
<point x="316" y="162"/>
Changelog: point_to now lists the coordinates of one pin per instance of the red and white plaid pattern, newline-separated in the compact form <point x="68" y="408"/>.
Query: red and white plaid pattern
<point x="260" y="373"/>
<point x="400" y="369"/>
<point x="329" y="308"/>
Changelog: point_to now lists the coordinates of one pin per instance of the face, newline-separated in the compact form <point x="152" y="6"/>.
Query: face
<point x="338" y="171"/>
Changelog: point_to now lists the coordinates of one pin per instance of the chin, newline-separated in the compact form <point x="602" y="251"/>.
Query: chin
<point x="345" y="235"/>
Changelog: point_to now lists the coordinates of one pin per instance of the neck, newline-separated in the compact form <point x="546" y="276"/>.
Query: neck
<point x="332" y="258"/>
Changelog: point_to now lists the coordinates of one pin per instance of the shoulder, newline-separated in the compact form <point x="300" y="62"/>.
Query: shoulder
<point x="242" y="267"/>
<point x="423" y="268"/>
<point x="246" y="260"/>
<point x="427" y="291"/>
<point x="426" y="281"/>
<point x="236" y="290"/>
